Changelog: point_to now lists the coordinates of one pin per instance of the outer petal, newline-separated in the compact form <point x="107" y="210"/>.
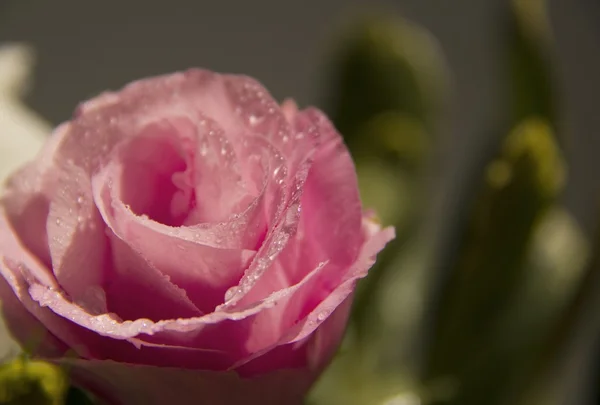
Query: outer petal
<point x="302" y="313"/>
<point x="239" y="104"/>
<point x="375" y="241"/>
<point x="128" y="384"/>
<point x="223" y="331"/>
<point x="78" y="245"/>
<point x="296" y="368"/>
<point x="24" y="287"/>
<point x="321" y="226"/>
<point x="29" y="191"/>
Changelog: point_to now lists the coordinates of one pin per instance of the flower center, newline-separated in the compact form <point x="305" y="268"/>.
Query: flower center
<point x="157" y="174"/>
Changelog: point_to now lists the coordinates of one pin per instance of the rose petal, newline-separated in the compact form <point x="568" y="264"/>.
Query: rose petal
<point x="26" y="200"/>
<point x="326" y="204"/>
<point x="33" y="336"/>
<point x="313" y="353"/>
<point x="78" y="245"/>
<point x="375" y="242"/>
<point x="46" y="334"/>
<point x="330" y="201"/>
<point x="202" y="271"/>
<point x="136" y="289"/>
<point x="301" y="315"/>
<point x="226" y="336"/>
<point x="119" y="383"/>
<point x="19" y="269"/>
<point x="236" y="103"/>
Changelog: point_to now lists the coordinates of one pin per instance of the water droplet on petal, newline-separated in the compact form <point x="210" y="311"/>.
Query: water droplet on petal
<point x="203" y="148"/>
<point x="253" y="119"/>
<point x="230" y="293"/>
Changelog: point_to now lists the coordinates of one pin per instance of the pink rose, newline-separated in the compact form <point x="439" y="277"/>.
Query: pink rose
<point x="187" y="241"/>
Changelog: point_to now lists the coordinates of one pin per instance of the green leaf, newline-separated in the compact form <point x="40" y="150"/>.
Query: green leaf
<point x="24" y="381"/>
<point x="384" y="64"/>
<point x="478" y="335"/>
<point x="531" y="76"/>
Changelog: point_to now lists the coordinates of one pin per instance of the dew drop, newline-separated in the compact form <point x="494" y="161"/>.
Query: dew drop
<point x="203" y="148"/>
<point x="321" y="316"/>
<point x="230" y="293"/>
<point x="254" y="120"/>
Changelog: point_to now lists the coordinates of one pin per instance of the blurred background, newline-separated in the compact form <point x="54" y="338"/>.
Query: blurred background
<point x="474" y="127"/>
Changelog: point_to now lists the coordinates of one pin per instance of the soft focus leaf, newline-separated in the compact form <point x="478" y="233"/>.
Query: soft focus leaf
<point x="384" y="94"/>
<point x="384" y="64"/>
<point x="477" y="331"/>
<point x="531" y="75"/>
<point x="388" y="83"/>
<point x="31" y="382"/>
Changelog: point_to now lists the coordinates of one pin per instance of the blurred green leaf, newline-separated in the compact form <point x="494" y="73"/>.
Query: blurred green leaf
<point x="24" y="381"/>
<point x="384" y="94"/>
<point x="385" y="90"/>
<point x="384" y="64"/>
<point x="531" y="75"/>
<point x="480" y="323"/>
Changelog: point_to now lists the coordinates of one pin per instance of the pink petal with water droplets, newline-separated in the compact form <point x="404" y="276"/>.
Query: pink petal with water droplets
<point x="313" y="353"/>
<point x="297" y="323"/>
<point x="375" y="241"/>
<point x="136" y="289"/>
<point x="61" y="329"/>
<point x="27" y="197"/>
<point x="325" y="204"/>
<point x="204" y="272"/>
<point x="78" y="245"/>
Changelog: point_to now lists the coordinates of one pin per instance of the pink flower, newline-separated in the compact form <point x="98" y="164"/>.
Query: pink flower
<point x="188" y="241"/>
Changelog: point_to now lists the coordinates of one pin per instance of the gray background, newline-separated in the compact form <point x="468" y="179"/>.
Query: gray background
<point x="87" y="46"/>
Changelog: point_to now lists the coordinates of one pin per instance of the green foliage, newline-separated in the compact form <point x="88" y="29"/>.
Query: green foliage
<point x="27" y="382"/>
<point x="501" y="315"/>
<point x="388" y="85"/>
<point x="529" y="59"/>
<point x="385" y="65"/>
<point x="503" y="298"/>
